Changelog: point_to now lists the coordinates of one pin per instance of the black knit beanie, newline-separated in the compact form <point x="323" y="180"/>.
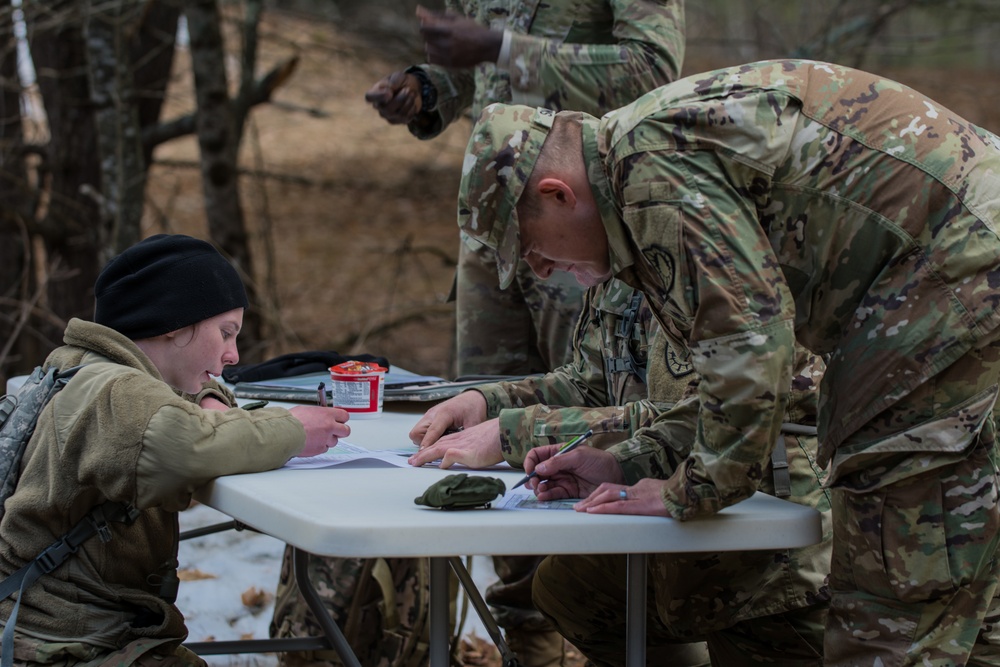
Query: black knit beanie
<point x="165" y="283"/>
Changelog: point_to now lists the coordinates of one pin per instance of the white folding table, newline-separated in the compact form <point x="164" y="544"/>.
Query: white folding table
<point x="352" y="511"/>
<point x="370" y="511"/>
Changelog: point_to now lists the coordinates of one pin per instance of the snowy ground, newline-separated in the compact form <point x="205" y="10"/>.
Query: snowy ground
<point x="229" y="564"/>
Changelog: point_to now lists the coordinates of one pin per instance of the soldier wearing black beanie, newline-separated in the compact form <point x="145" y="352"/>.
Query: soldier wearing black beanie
<point x="164" y="283"/>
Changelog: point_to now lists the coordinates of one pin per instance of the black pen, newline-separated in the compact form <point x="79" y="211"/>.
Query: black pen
<point x="321" y="394"/>
<point x="568" y="447"/>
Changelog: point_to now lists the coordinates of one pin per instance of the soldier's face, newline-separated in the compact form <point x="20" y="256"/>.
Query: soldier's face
<point x="573" y="242"/>
<point x="190" y="357"/>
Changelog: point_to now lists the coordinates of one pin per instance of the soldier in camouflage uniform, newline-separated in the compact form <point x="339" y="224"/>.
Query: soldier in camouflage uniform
<point x="780" y="201"/>
<point x="589" y="55"/>
<point x="745" y="600"/>
<point x="611" y="345"/>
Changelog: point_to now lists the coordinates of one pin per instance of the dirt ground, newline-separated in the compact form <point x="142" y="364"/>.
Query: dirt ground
<point x="353" y="220"/>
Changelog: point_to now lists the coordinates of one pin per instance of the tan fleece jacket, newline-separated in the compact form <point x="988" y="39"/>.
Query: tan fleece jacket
<point x="118" y="432"/>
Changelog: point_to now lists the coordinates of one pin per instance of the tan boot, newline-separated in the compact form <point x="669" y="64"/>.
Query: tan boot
<point x="536" y="648"/>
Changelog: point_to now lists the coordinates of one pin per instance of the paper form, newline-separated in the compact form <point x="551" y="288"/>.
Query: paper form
<point x="525" y="499"/>
<point x="346" y="453"/>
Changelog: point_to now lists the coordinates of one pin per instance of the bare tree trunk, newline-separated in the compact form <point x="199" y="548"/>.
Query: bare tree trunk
<point x="152" y="54"/>
<point x="14" y="201"/>
<point x="106" y="26"/>
<point x="216" y="126"/>
<point x="70" y="225"/>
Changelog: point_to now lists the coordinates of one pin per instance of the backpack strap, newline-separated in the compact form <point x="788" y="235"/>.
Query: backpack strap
<point x="625" y="331"/>
<point x="383" y="577"/>
<point x="94" y="523"/>
<point x="779" y="469"/>
<point x="779" y="458"/>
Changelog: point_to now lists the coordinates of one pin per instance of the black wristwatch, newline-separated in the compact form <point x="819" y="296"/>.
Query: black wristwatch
<point x="428" y="93"/>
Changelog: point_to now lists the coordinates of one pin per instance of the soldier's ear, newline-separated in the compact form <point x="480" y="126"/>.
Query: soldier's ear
<point x="558" y="191"/>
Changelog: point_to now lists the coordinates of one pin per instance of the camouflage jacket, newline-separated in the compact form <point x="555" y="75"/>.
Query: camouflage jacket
<point x="586" y="55"/>
<point x="696" y="593"/>
<point x="786" y="200"/>
<point x="603" y="388"/>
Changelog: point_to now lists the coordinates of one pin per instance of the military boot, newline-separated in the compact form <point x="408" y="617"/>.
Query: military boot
<point x="536" y="648"/>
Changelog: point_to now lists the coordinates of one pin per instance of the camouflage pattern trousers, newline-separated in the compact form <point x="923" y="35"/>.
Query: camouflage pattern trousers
<point x="585" y="597"/>
<point x="526" y="328"/>
<point x="914" y="573"/>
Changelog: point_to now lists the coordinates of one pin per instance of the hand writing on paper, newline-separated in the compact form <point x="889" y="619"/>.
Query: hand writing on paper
<point x="595" y="476"/>
<point x="324" y="427"/>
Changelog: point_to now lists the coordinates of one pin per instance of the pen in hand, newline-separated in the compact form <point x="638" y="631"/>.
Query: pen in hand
<point x="568" y="447"/>
<point x="321" y="394"/>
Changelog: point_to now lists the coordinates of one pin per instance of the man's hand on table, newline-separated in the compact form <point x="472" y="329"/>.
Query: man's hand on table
<point x="459" y="412"/>
<point x="474" y="447"/>
<point x="324" y="427"/>
<point x="645" y="497"/>
<point x="456" y="431"/>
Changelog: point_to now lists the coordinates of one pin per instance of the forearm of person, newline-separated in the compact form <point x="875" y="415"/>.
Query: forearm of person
<point x="579" y="383"/>
<point x="648" y="52"/>
<point x="539" y="425"/>
<point x="453" y="92"/>
<point x="662" y="439"/>
<point x="184" y="447"/>
<point x="566" y="385"/>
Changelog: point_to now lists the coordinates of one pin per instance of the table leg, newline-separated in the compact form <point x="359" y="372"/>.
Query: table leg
<point x="439" y="631"/>
<point x="507" y="657"/>
<point x="300" y="563"/>
<point x="635" y="648"/>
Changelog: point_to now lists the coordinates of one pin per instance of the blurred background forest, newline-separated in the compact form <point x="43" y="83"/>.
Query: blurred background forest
<point x="244" y="122"/>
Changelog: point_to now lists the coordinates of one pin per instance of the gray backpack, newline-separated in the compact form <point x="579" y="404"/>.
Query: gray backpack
<point x="18" y="416"/>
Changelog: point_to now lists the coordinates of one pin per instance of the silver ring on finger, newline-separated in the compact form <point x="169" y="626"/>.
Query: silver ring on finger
<point x="623" y="494"/>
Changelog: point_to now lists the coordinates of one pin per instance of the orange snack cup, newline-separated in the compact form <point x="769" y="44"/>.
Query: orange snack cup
<point x="358" y="387"/>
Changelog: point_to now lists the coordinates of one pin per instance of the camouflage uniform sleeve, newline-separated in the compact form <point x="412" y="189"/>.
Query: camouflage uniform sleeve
<point x="658" y="452"/>
<point x="646" y="52"/>
<point x="455" y="90"/>
<point x="735" y="311"/>
<point x="580" y="383"/>
<point x="538" y="425"/>
<point x="565" y="402"/>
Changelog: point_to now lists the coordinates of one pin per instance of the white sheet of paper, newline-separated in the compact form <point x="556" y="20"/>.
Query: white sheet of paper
<point x="345" y="454"/>
<point x="525" y="499"/>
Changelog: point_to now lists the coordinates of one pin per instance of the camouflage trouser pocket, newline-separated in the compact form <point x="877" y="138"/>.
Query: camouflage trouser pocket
<point x="922" y="538"/>
<point x="914" y="567"/>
